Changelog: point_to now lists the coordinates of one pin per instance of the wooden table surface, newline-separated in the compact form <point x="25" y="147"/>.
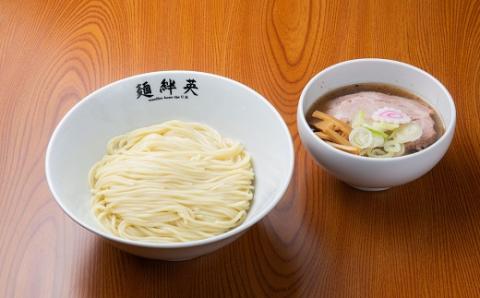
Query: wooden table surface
<point x="324" y="238"/>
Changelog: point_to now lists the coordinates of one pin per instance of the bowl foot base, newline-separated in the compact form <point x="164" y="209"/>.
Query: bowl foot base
<point x="370" y="188"/>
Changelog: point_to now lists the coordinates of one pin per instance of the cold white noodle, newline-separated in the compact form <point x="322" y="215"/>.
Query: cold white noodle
<point x="176" y="181"/>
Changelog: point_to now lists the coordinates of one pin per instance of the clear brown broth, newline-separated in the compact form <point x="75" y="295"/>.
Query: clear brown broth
<point x="322" y="101"/>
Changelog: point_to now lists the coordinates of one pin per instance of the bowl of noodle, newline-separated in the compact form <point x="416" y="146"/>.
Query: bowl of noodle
<point x="170" y="165"/>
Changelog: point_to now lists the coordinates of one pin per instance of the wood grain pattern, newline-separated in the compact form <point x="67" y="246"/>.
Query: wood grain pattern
<point x="421" y="239"/>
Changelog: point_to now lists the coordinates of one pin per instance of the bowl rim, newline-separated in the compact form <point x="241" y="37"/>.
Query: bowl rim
<point x="448" y="130"/>
<point x="146" y="244"/>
